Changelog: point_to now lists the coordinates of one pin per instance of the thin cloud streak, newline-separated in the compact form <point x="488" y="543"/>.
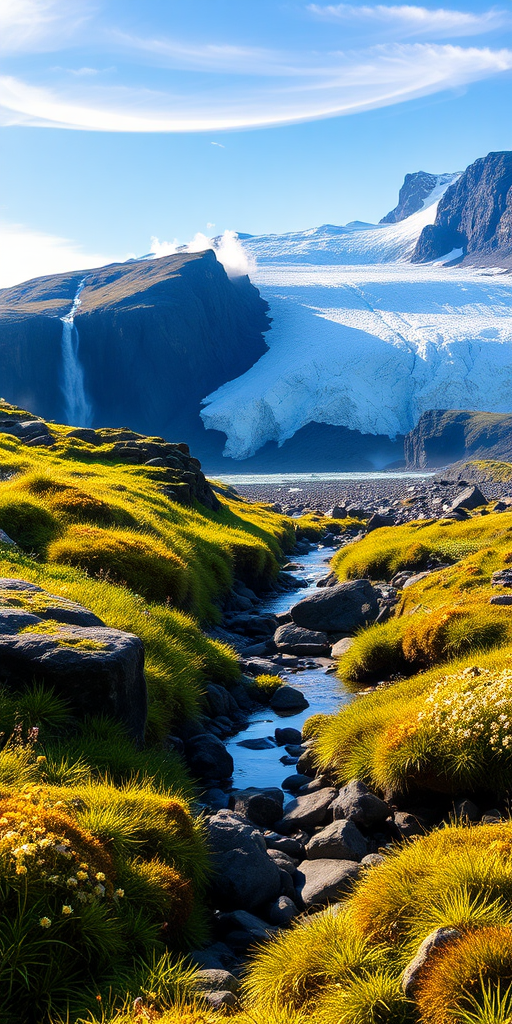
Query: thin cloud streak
<point x="32" y="26"/>
<point x="211" y="57"/>
<point x="378" y="77"/>
<point x="407" y="20"/>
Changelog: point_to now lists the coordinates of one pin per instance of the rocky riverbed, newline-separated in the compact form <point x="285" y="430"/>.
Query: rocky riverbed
<point x="286" y="840"/>
<point x="407" y="496"/>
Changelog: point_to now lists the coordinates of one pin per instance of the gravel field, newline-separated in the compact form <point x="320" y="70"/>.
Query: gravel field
<point x="425" y="496"/>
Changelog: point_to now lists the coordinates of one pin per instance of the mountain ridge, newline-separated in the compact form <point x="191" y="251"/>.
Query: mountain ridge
<point x="333" y="351"/>
<point x="474" y="215"/>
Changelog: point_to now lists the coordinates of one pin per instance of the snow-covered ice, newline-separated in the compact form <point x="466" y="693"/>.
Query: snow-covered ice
<point x="362" y="338"/>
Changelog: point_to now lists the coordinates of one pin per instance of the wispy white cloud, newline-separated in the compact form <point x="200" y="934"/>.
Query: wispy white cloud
<point x="218" y="144"/>
<point x="39" y="25"/>
<point x="213" y="57"/>
<point x="408" y="20"/>
<point x="347" y="83"/>
<point x="25" y="253"/>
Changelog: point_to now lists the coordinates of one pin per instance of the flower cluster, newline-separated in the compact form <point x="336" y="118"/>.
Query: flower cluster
<point x="36" y="845"/>
<point x="399" y="732"/>
<point x="472" y="706"/>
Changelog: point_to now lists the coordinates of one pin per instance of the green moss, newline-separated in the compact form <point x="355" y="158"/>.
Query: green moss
<point x="264" y="686"/>
<point x="28" y="523"/>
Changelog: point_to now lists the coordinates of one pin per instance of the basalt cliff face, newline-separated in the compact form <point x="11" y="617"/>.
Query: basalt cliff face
<point x="416" y="189"/>
<point x="444" y="436"/>
<point x="149" y="339"/>
<point x="474" y="215"/>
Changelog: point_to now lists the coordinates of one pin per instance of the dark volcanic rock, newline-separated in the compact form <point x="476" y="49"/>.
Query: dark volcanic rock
<point x="341" y="609"/>
<point x="288" y="698"/>
<point x="306" y="811"/>
<point x="356" y="803"/>
<point x="475" y="215"/>
<point x="415" y="189"/>
<point x="470" y="498"/>
<point x="294" y="639"/>
<point x="95" y="669"/>
<point x="341" y="840"/>
<point x="208" y="758"/>
<point x="321" y="882"/>
<point x="244" y="876"/>
<point x="442" y="436"/>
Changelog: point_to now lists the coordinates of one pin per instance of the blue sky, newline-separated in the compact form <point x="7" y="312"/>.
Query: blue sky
<point x="123" y="121"/>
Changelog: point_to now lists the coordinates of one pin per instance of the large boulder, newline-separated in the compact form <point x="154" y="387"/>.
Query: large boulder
<point x="356" y="803"/>
<point x="37" y="601"/>
<point x="244" y="876"/>
<point x="306" y="811"/>
<point x="94" y="669"/>
<point x="288" y="698"/>
<point x="320" y="882"/>
<point x="340" y="609"/>
<point x="262" y="806"/>
<point x="341" y="840"/>
<point x="292" y="639"/>
<point x="208" y="758"/>
<point x="469" y="499"/>
<point x="342" y="647"/>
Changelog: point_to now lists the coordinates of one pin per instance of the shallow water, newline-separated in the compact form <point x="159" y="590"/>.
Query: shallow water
<point x="322" y="689"/>
<point x="293" y="478"/>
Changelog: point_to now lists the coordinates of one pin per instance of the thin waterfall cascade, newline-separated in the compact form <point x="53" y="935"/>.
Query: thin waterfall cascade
<point x="77" y="410"/>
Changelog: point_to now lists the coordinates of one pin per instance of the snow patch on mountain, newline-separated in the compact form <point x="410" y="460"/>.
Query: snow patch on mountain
<point x="364" y="339"/>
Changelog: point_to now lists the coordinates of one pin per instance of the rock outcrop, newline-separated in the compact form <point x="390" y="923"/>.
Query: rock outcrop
<point x="443" y="436"/>
<point x="183" y="480"/>
<point x="417" y="187"/>
<point x="54" y="642"/>
<point x="474" y="215"/>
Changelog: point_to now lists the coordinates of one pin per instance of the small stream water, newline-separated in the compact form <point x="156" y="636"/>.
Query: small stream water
<point x="322" y="689"/>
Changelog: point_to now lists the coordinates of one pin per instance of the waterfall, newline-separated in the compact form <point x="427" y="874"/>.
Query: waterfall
<point x="77" y="409"/>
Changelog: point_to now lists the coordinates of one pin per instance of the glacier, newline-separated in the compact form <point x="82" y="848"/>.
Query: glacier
<point x="362" y="338"/>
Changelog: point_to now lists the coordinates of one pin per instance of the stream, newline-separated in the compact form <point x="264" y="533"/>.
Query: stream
<point x="322" y="689"/>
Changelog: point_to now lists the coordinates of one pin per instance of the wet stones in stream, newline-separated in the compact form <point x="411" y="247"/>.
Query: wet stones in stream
<point x="293" y="639"/>
<point x="338" y="609"/>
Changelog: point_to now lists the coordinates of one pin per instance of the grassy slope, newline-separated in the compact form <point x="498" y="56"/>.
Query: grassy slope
<point x="345" y="967"/>
<point x="105" y="534"/>
<point x="443" y="626"/>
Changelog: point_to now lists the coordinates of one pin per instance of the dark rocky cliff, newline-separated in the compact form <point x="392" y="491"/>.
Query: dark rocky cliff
<point x="475" y="215"/>
<point x="414" y="191"/>
<point x="443" y="436"/>
<point x="155" y="336"/>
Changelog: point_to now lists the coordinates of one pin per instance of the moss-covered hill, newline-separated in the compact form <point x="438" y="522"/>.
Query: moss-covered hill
<point x="133" y="544"/>
<point x="448" y="645"/>
<point x="102" y="865"/>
